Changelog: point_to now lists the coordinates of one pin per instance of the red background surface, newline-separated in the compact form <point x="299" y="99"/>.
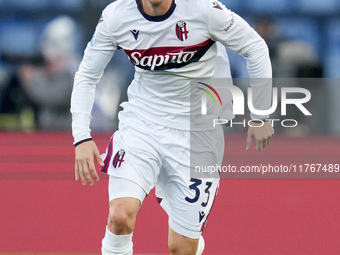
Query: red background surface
<point x="43" y="210"/>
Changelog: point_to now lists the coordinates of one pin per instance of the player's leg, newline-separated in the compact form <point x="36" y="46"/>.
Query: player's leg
<point x="179" y="244"/>
<point x="187" y="219"/>
<point x="188" y="196"/>
<point x="122" y="215"/>
<point x="131" y="161"/>
<point x="124" y="206"/>
<point x="121" y="221"/>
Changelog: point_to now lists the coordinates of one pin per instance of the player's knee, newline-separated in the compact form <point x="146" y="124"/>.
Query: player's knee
<point x="121" y="220"/>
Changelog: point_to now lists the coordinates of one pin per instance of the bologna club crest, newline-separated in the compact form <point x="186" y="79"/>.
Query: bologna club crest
<point x="118" y="159"/>
<point x="182" y="30"/>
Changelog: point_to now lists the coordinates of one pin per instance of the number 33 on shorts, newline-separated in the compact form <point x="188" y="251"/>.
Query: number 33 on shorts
<point x="204" y="198"/>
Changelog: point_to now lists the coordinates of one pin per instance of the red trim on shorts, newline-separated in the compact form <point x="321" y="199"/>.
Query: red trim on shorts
<point x="108" y="157"/>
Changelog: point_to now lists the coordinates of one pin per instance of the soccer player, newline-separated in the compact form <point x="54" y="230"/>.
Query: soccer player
<point x="173" y="45"/>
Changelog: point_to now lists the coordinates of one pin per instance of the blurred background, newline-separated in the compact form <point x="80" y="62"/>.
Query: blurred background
<point x="42" y="42"/>
<point x="41" y="46"/>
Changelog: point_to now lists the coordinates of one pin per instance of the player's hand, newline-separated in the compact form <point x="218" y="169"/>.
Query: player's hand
<point x="261" y="134"/>
<point x="85" y="169"/>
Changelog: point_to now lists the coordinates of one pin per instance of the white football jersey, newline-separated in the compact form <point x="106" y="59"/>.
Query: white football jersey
<point x="170" y="52"/>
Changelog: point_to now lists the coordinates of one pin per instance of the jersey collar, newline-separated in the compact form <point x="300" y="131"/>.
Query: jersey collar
<point x="156" y="18"/>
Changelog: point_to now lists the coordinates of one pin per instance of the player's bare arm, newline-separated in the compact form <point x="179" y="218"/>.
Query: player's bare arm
<point x="261" y="133"/>
<point x="86" y="154"/>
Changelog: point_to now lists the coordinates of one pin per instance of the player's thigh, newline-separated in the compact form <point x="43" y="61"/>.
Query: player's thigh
<point x="132" y="155"/>
<point x="126" y="198"/>
<point x="179" y="244"/>
<point x="188" y="197"/>
<point x="189" y="205"/>
<point x="132" y="162"/>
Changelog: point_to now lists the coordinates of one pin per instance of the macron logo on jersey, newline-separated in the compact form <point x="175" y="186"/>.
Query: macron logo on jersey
<point x="216" y="5"/>
<point x="135" y="33"/>
<point x="161" y="58"/>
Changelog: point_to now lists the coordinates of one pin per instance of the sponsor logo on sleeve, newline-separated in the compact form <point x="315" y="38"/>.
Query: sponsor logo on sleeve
<point x="232" y="21"/>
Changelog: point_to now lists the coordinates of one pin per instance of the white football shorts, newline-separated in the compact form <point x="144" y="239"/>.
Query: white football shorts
<point x="142" y="155"/>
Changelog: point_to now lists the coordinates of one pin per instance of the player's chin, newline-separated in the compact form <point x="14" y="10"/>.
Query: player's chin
<point x="156" y="2"/>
